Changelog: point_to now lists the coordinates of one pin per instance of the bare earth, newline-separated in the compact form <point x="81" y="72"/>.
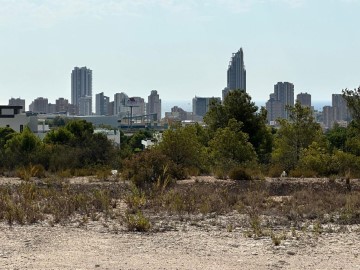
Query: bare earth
<point x="187" y="245"/>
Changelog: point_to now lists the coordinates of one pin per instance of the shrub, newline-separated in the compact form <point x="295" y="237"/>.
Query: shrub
<point x="239" y="173"/>
<point x="27" y="172"/>
<point x="148" y="167"/>
<point x="137" y="222"/>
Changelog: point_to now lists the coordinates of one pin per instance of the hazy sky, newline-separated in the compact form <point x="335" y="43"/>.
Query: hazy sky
<point x="179" y="47"/>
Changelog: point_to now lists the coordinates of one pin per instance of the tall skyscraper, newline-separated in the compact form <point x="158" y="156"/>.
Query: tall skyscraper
<point x="284" y="92"/>
<point x="154" y="104"/>
<point x="282" y="97"/>
<point x="341" y="110"/>
<point x="274" y="109"/>
<point x="81" y="90"/>
<point x="236" y="73"/>
<point x="328" y="116"/>
<point x="102" y="104"/>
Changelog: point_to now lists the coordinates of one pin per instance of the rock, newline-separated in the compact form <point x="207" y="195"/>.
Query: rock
<point x="290" y="252"/>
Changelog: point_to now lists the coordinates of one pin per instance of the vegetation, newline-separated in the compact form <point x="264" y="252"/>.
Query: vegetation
<point x="235" y="144"/>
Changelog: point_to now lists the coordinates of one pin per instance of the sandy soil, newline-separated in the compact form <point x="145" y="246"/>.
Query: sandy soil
<point x="45" y="247"/>
<point x="201" y="244"/>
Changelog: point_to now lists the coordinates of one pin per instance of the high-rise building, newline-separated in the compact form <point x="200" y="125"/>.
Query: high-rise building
<point x="110" y="108"/>
<point x="284" y="92"/>
<point x="201" y="105"/>
<point x="51" y="108"/>
<point x="85" y="105"/>
<point x="236" y="73"/>
<point x="328" y="116"/>
<point x="62" y="105"/>
<point x="39" y="105"/>
<point x="120" y="104"/>
<point x="341" y="110"/>
<point x="282" y="97"/>
<point x="81" y="89"/>
<point x="102" y="104"/>
<point x="17" y="102"/>
<point x="154" y="104"/>
<point x="274" y="109"/>
<point x="139" y="109"/>
<point x="304" y="99"/>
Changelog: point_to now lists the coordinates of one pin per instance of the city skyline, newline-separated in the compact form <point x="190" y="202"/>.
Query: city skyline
<point x="136" y="46"/>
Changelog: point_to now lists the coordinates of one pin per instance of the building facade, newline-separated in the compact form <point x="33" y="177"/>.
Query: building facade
<point x="81" y="89"/>
<point x="304" y="99"/>
<point x="85" y="106"/>
<point x="341" y="110"/>
<point x="102" y="104"/>
<point x="154" y="104"/>
<point x="17" y="102"/>
<point x="201" y="105"/>
<point x="284" y="92"/>
<point x="236" y="73"/>
<point x="120" y="104"/>
<point x="282" y="97"/>
<point x="62" y="105"/>
<point x="39" y="105"/>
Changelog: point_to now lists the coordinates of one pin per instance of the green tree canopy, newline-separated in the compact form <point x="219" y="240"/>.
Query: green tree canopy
<point x="352" y="98"/>
<point x="182" y="146"/>
<point x="238" y="105"/>
<point x="294" y="136"/>
<point x="22" y="148"/>
<point x="230" y="146"/>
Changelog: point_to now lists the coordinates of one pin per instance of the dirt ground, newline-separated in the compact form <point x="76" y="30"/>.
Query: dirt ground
<point x="94" y="247"/>
<point x="204" y="244"/>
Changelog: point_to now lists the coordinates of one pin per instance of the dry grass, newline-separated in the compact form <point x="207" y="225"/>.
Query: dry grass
<point x="267" y="205"/>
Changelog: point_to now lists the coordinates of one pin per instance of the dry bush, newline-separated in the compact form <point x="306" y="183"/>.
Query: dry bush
<point x="28" y="203"/>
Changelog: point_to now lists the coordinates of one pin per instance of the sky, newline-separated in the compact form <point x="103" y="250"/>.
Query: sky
<point x="181" y="48"/>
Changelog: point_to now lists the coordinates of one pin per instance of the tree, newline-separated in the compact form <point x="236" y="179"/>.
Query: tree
<point x="337" y="137"/>
<point x="230" y="147"/>
<point x="238" y="105"/>
<point x="5" y="134"/>
<point x="22" y="149"/>
<point x="316" y="160"/>
<point x="135" y="140"/>
<point x="181" y="145"/>
<point x="294" y="136"/>
<point x="59" y="136"/>
<point x="352" y="98"/>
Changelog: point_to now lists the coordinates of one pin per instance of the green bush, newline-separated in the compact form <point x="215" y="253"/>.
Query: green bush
<point x="137" y="222"/>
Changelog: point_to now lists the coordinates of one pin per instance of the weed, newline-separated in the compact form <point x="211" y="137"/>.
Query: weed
<point x="137" y="222"/>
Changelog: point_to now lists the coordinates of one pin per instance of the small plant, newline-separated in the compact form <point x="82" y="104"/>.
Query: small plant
<point x="136" y="199"/>
<point x="255" y="224"/>
<point x="318" y="229"/>
<point x="229" y="227"/>
<point x="276" y="239"/>
<point x="26" y="173"/>
<point x="137" y="222"/>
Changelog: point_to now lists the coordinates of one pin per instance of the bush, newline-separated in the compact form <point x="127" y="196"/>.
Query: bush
<point x="27" y="172"/>
<point x="137" y="222"/>
<point x="148" y="167"/>
<point x="239" y="174"/>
